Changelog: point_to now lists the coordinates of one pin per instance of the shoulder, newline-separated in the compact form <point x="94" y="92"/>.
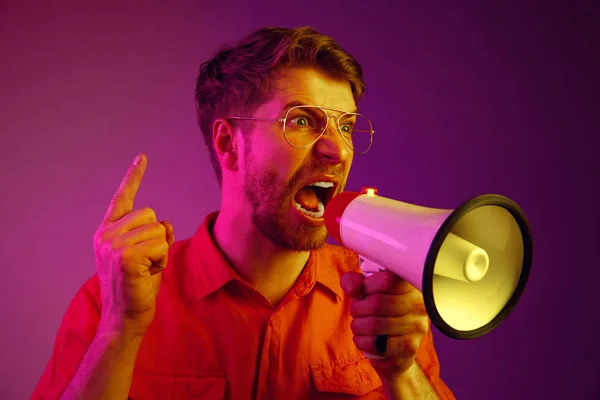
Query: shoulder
<point x="90" y="290"/>
<point x="181" y="254"/>
<point x="180" y="248"/>
<point x="339" y="258"/>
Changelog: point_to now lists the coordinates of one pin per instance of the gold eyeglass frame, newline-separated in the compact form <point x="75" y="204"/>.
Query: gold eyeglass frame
<point x="324" y="110"/>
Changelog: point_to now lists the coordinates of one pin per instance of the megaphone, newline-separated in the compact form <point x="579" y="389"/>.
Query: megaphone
<point x="470" y="263"/>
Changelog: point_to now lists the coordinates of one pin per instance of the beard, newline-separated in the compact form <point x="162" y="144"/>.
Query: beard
<point x="270" y="207"/>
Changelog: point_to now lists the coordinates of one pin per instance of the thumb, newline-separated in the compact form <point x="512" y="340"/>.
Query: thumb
<point x="352" y="284"/>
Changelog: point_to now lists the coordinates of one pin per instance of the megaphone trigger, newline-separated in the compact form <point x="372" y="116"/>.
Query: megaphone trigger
<point x="368" y="267"/>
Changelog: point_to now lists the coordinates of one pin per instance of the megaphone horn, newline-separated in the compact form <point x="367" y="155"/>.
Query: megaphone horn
<point x="471" y="263"/>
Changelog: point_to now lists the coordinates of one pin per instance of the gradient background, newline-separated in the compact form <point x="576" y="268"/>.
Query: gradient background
<point x="466" y="97"/>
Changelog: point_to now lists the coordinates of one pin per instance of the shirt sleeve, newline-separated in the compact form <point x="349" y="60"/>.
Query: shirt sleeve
<point x="75" y="334"/>
<point x="428" y="361"/>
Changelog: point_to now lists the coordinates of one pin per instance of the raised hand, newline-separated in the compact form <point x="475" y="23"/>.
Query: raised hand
<point x="131" y="249"/>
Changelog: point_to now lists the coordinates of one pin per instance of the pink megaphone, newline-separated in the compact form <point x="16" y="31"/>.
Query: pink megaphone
<point x="470" y="263"/>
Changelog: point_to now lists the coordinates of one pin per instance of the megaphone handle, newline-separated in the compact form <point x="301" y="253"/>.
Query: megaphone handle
<point x="368" y="268"/>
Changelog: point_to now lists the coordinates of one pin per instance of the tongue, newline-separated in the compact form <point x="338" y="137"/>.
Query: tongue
<point x="307" y="198"/>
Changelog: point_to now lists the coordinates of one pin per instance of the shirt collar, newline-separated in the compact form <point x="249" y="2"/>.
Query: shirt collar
<point x="211" y="270"/>
<point x="320" y="269"/>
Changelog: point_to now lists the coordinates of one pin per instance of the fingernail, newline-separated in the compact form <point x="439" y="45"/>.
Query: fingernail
<point x="137" y="159"/>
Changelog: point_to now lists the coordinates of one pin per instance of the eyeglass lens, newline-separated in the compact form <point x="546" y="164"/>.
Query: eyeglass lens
<point x="304" y="125"/>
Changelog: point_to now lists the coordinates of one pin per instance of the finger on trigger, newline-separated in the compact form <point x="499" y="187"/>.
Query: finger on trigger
<point x="122" y="201"/>
<point x="386" y="282"/>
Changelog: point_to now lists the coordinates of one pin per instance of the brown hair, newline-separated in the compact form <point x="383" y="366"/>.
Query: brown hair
<point x="235" y="80"/>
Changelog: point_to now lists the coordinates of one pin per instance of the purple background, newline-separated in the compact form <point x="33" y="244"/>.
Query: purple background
<point x="466" y="99"/>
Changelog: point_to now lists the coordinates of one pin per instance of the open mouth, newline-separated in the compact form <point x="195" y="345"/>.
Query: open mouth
<point x="312" y="198"/>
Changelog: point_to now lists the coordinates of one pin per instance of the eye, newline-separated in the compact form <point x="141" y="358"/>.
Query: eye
<point x="347" y="123"/>
<point x="346" y="127"/>
<point x="302" y="122"/>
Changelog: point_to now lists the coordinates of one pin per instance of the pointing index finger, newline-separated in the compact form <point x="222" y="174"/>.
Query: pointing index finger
<point x="122" y="202"/>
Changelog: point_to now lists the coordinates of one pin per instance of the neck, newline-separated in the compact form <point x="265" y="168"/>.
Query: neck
<point x="269" y="268"/>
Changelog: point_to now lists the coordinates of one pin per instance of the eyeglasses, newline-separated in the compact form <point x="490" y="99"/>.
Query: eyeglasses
<point x="304" y="125"/>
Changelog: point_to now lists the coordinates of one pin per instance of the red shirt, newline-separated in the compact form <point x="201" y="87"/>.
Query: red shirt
<point x="215" y="337"/>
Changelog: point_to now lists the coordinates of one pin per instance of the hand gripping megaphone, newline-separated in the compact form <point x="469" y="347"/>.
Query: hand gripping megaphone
<point x="471" y="263"/>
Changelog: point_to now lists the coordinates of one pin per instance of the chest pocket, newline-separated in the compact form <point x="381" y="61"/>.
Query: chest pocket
<point x="348" y="378"/>
<point x="180" y="386"/>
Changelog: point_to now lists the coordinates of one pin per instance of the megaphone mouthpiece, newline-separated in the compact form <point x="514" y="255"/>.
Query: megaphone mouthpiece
<point x="334" y="212"/>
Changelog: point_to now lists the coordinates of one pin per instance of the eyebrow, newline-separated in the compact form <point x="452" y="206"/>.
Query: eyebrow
<point x="296" y="103"/>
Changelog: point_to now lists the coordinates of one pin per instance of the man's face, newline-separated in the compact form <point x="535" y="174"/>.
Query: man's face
<point x="274" y="172"/>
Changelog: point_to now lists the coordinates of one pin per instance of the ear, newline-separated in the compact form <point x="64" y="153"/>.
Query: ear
<point x="225" y="144"/>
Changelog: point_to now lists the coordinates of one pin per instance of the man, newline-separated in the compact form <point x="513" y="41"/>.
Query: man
<point x="255" y="305"/>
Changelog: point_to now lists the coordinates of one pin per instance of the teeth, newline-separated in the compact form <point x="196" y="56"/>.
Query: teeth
<point x="322" y="184"/>
<point x="315" y="214"/>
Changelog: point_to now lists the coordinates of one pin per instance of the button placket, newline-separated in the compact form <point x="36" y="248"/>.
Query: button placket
<point x="265" y="362"/>
<point x="274" y="353"/>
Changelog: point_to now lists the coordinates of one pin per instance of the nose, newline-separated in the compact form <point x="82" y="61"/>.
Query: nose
<point x="331" y="146"/>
